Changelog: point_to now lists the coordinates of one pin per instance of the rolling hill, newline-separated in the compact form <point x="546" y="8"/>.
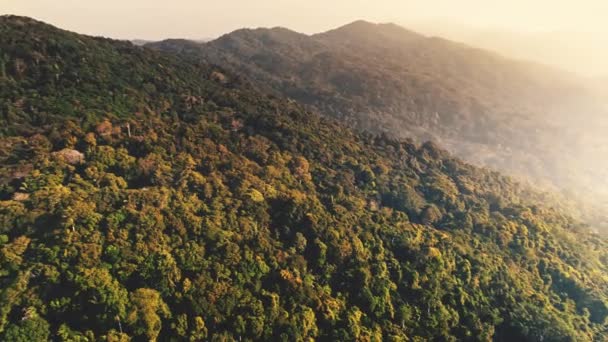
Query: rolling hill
<point x="534" y="122"/>
<point x="147" y="196"/>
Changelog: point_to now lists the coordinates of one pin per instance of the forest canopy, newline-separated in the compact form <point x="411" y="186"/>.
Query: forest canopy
<point x="144" y="196"/>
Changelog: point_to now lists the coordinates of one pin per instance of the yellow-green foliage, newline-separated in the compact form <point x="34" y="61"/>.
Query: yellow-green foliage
<point x="241" y="216"/>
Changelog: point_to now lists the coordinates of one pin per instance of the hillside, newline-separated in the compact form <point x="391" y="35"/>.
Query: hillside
<point x="150" y="197"/>
<point x="527" y="120"/>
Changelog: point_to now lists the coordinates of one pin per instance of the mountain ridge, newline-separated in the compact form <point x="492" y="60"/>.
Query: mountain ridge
<point x="510" y="115"/>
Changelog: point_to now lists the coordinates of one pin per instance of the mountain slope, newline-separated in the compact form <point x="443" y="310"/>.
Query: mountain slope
<point x="152" y="197"/>
<point x="521" y="118"/>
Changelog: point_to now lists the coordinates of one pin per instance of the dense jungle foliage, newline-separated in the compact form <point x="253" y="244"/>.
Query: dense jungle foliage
<point x="541" y="125"/>
<point x="145" y="197"/>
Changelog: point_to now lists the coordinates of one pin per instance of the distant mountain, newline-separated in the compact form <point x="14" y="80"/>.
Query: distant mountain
<point x="601" y="84"/>
<point x="141" y="42"/>
<point x="582" y="52"/>
<point x="148" y="197"/>
<point x="523" y="118"/>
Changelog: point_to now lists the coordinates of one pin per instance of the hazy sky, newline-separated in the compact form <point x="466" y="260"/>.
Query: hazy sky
<point x="154" y="19"/>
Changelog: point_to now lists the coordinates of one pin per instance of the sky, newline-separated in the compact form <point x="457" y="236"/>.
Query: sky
<point x="199" y="19"/>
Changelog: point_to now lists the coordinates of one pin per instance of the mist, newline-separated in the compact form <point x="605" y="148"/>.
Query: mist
<point x="581" y="52"/>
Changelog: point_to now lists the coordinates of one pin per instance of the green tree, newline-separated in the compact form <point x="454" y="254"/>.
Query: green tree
<point x="146" y="311"/>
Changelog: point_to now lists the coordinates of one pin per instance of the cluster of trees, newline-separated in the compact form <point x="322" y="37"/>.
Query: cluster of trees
<point x="196" y="208"/>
